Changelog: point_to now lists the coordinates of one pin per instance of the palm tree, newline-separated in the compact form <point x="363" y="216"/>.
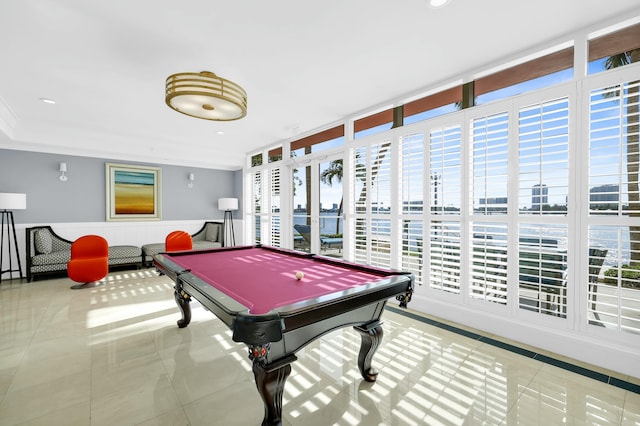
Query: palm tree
<point x="334" y="171"/>
<point x="633" y="153"/>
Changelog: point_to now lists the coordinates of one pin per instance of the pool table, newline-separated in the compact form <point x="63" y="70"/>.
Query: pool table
<point x="255" y="292"/>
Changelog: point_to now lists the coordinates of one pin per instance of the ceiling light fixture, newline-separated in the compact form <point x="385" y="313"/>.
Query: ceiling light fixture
<point x="205" y="95"/>
<point x="436" y="4"/>
<point x="48" y="101"/>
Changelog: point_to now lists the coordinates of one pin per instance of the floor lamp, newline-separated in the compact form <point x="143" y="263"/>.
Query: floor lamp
<point x="228" y="205"/>
<point x="8" y="203"/>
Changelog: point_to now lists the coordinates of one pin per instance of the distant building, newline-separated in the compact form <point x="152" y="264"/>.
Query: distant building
<point x="539" y="196"/>
<point x="492" y="201"/>
<point x="605" y="193"/>
<point x="604" y="197"/>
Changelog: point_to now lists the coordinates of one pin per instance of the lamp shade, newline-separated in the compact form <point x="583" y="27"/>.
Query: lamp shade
<point x="13" y="201"/>
<point x="205" y="95"/>
<point x="227" y="204"/>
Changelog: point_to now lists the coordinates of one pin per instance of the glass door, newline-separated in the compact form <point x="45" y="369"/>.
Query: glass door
<point x="318" y="229"/>
<point x="301" y="177"/>
<point x="330" y="223"/>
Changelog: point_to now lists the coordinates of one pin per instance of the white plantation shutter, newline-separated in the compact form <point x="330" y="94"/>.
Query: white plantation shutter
<point x="543" y="140"/>
<point x="256" y="198"/>
<point x="446" y="170"/>
<point x="490" y="148"/>
<point x="413" y="173"/>
<point x="542" y="268"/>
<point x="413" y="248"/>
<point x="412" y="170"/>
<point x="445" y="160"/>
<point x="613" y="140"/>
<point x="543" y="191"/>
<point x="359" y="195"/>
<point x="489" y="262"/>
<point x="372" y="195"/>
<point x="490" y="142"/>
<point x="444" y="256"/>
<point x="614" y="217"/>
<point x="613" y="284"/>
<point x="359" y="183"/>
<point x="360" y="243"/>
<point x="275" y="199"/>
<point x="380" y="179"/>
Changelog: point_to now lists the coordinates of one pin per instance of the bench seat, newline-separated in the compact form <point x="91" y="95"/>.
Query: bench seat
<point x="48" y="253"/>
<point x="211" y="235"/>
<point x="125" y="255"/>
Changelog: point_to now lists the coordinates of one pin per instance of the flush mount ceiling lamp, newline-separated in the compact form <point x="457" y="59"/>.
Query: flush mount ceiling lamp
<point x="205" y="95"/>
<point x="437" y="4"/>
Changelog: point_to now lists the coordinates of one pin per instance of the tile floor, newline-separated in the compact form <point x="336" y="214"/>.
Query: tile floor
<point x="112" y="355"/>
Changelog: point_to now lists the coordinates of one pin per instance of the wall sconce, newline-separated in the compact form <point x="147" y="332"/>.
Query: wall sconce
<point x="63" y="170"/>
<point x="192" y="177"/>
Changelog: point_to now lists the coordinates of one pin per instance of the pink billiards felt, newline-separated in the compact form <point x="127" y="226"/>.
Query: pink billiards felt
<point x="263" y="280"/>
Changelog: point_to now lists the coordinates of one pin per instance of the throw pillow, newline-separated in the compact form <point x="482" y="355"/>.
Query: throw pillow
<point x="43" y="241"/>
<point x="212" y="233"/>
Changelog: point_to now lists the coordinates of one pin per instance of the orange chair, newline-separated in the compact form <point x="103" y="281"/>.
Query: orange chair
<point x="89" y="261"/>
<point x="177" y="241"/>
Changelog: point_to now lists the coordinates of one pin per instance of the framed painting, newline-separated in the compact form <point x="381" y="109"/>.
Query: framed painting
<point x="133" y="192"/>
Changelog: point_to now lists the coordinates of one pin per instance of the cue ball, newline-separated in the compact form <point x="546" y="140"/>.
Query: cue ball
<point x="299" y="275"/>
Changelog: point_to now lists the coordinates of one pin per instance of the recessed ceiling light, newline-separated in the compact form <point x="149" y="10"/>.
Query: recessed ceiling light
<point x="438" y="3"/>
<point x="48" y="101"/>
<point x="220" y="132"/>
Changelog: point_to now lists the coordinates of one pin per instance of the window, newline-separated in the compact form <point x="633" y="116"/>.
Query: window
<point x="275" y="208"/>
<point x="372" y="124"/>
<point x="380" y="196"/>
<point x="256" y="198"/>
<point x="301" y="177"/>
<point x="444" y="256"/>
<point x="528" y="208"/>
<point x="445" y="181"/>
<point x="489" y="262"/>
<point x="321" y="141"/>
<point x="542" y="268"/>
<point x="412" y="204"/>
<point x="535" y="74"/>
<point x="446" y="170"/>
<point x="543" y="139"/>
<point x="256" y="160"/>
<point x="543" y="191"/>
<point x="614" y="208"/>
<point x="490" y="154"/>
<point x="614" y="150"/>
<point x="372" y="189"/>
<point x="614" y="50"/>
<point x="275" y="154"/>
<point x="432" y="106"/>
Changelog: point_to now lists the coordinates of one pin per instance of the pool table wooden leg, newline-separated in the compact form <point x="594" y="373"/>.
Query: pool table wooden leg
<point x="270" y="380"/>
<point x="184" y="303"/>
<point x="371" y="336"/>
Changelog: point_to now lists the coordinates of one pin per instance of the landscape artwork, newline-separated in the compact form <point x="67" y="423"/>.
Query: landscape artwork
<point x="133" y="192"/>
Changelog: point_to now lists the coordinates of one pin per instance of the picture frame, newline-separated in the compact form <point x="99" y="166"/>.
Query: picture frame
<point x="133" y="192"/>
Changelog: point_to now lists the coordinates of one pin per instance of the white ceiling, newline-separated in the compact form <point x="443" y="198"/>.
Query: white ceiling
<point x="303" y="64"/>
